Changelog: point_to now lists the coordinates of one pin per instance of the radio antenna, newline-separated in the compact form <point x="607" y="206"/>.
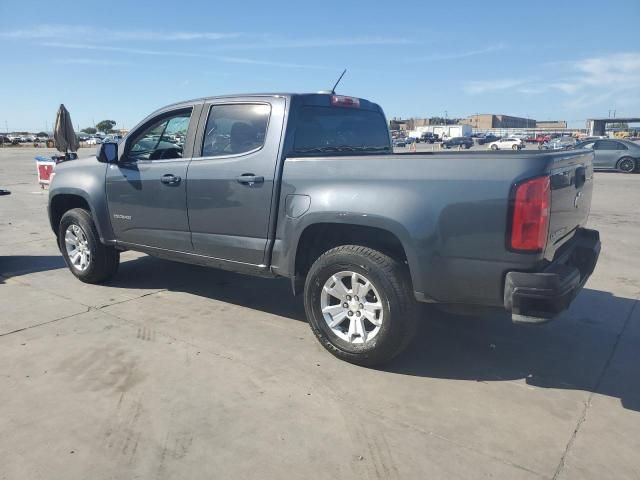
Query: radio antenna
<point x="333" y="90"/>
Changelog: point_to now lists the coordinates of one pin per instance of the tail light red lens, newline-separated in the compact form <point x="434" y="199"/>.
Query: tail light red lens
<point x="530" y="222"/>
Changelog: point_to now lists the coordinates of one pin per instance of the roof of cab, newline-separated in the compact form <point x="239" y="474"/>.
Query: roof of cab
<point x="364" y="102"/>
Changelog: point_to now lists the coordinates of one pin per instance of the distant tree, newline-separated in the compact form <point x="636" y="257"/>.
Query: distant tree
<point x="42" y="134"/>
<point x="89" y="130"/>
<point x="106" y="126"/>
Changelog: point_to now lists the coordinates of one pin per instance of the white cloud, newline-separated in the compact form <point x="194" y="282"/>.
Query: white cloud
<point x="249" y="61"/>
<point x="587" y="82"/>
<point x="271" y="42"/>
<point x="621" y="70"/>
<point x="89" y="33"/>
<point x="88" y="61"/>
<point x="457" y="55"/>
<point x="86" y="33"/>
<point x="172" y="53"/>
<point x="483" y="86"/>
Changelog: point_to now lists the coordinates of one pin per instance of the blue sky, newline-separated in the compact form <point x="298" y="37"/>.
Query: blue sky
<point x="121" y="60"/>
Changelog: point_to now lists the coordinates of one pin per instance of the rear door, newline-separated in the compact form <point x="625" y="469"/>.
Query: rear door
<point x="231" y="179"/>
<point x="146" y="189"/>
<point x="607" y="153"/>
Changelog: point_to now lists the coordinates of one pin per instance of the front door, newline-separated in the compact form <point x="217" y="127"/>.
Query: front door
<point x="146" y="189"/>
<point x="230" y="184"/>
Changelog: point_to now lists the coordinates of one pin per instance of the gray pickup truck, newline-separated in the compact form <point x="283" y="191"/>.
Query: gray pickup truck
<point x="306" y="186"/>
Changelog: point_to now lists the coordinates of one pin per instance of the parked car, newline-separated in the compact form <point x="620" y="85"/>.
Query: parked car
<point x="399" y="142"/>
<point x="487" y="139"/>
<point x="507" y="144"/>
<point x="117" y="138"/>
<point x="559" y="143"/>
<point x="428" y="137"/>
<point x="542" y="138"/>
<point x="521" y="136"/>
<point x="462" y="142"/>
<point x="94" y="141"/>
<point x="621" y="155"/>
<point x="306" y="187"/>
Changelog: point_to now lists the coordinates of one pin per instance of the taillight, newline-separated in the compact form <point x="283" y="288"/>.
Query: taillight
<point x="530" y="221"/>
<point x="342" y="101"/>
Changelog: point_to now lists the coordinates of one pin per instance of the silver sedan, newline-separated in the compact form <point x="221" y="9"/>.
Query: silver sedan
<point x="610" y="154"/>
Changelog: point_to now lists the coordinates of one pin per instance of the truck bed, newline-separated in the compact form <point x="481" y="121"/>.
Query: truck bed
<point x="457" y="239"/>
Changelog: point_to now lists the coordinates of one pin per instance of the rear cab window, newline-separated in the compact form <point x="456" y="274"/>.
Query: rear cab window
<point x="357" y="127"/>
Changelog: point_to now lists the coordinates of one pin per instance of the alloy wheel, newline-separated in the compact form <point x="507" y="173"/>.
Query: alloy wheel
<point x="77" y="247"/>
<point x="352" y="307"/>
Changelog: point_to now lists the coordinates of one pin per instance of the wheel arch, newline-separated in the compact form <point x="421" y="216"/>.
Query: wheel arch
<point x="62" y="202"/>
<point x="317" y="238"/>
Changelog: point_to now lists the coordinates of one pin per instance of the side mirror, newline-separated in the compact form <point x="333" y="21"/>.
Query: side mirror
<point x="108" y="152"/>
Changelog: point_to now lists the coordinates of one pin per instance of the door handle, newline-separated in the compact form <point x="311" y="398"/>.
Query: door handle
<point x="249" y="179"/>
<point x="170" y="179"/>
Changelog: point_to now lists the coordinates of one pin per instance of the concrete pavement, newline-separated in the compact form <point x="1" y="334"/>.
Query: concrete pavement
<point x="177" y="371"/>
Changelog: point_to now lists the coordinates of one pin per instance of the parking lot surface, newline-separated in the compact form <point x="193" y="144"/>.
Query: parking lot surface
<point x="177" y="371"/>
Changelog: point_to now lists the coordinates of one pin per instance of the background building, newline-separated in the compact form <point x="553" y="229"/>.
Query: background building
<point x="551" y="124"/>
<point x="485" y="121"/>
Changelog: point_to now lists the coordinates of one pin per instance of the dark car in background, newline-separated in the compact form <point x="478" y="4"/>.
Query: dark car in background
<point x="428" y="137"/>
<point x="609" y="154"/>
<point x="487" y="139"/>
<point x="462" y="142"/>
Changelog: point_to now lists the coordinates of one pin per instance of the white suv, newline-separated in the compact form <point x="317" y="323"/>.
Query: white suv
<point x="507" y="144"/>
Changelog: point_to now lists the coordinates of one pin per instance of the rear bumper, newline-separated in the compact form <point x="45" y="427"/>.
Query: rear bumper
<point x="535" y="297"/>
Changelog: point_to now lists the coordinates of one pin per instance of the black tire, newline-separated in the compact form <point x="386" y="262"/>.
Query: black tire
<point x="515" y="147"/>
<point x="104" y="260"/>
<point x="494" y="147"/>
<point x="627" y="165"/>
<point x="391" y="280"/>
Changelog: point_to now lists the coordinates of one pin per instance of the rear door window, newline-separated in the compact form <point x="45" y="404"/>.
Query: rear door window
<point x="331" y="129"/>
<point x="235" y="129"/>
<point x="609" y="145"/>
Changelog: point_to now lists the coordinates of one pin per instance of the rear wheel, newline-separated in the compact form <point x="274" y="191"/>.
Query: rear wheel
<point x="360" y="305"/>
<point x="627" y="165"/>
<point x="515" y="147"/>
<point x="87" y="258"/>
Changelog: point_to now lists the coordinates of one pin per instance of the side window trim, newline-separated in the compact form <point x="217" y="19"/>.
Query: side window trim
<point x="199" y="139"/>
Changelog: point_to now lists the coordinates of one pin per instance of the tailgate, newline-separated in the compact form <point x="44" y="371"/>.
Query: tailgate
<point x="571" y="188"/>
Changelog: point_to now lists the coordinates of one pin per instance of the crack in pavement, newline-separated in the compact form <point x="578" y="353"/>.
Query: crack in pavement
<point x="45" y="323"/>
<point x="594" y="390"/>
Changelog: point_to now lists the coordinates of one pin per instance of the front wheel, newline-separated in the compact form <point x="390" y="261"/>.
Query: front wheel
<point x="627" y="165"/>
<point x="87" y="258"/>
<point x="360" y="305"/>
<point x="494" y="147"/>
<point x="515" y="147"/>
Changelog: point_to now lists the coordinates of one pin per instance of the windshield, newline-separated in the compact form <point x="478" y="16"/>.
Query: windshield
<point x="331" y="129"/>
